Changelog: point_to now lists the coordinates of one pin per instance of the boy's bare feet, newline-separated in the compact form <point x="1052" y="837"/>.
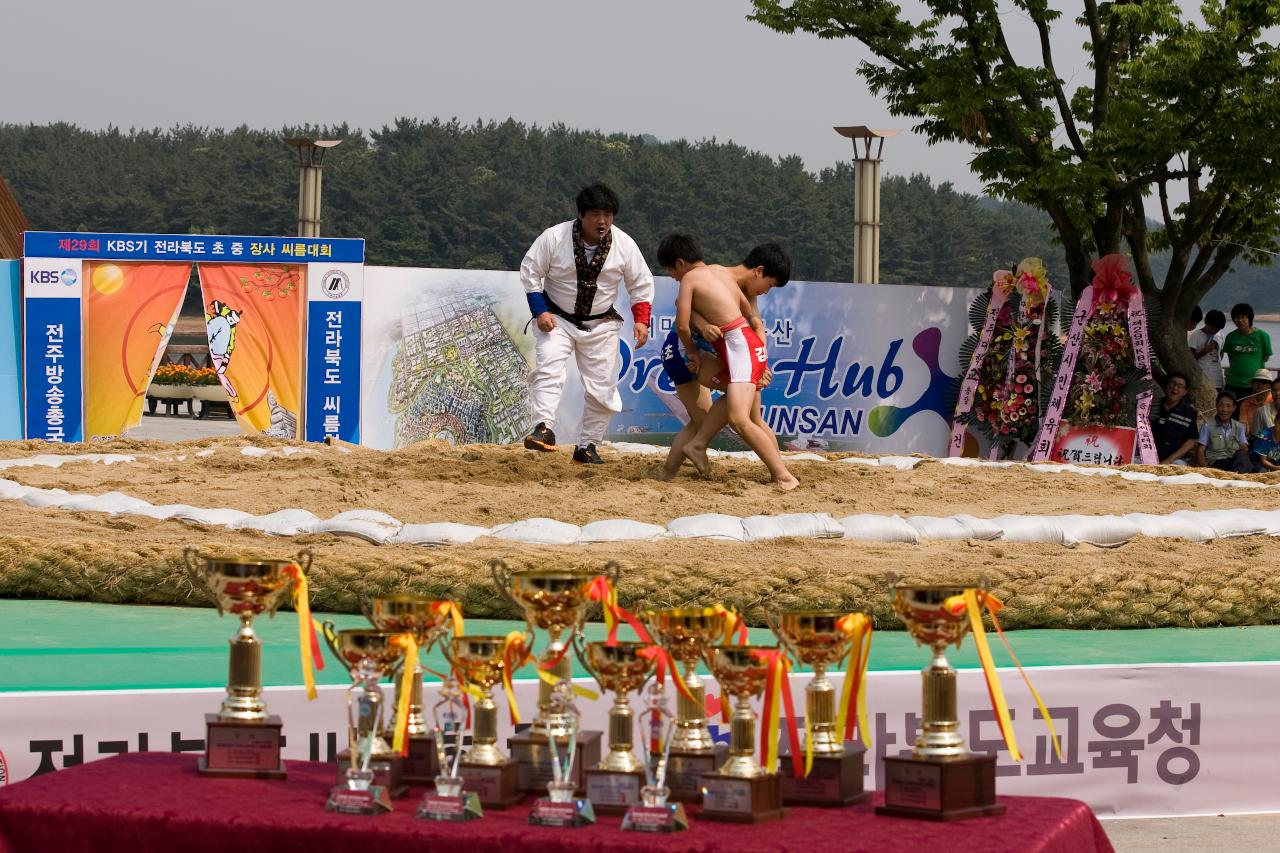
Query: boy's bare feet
<point x="698" y="456"/>
<point x="787" y="483"/>
<point x="665" y="473"/>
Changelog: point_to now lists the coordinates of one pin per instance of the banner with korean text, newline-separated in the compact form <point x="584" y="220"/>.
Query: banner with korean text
<point x="52" y="347"/>
<point x="334" y="295"/>
<point x="129" y="312"/>
<point x="1138" y="740"/>
<point x="253" y="315"/>
<point x="10" y="350"/>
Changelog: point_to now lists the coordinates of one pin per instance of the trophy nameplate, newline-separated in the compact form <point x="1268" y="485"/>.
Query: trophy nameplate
<point x="686" y="769"/>
<point x="614" y="791"/>
<point x="387" y="772"/>
<point x="571" y="813"/>
<point x="940" y="788"/>
<point x="738" y="800"/>
<point x="497" y="785"/>
<point x="662" y="819"/>
<point x="457" y="809"/>
<point x="420" y="766"/>
<point x="242" y="749"/>
<point x="532" y="756"/>
<point x="834" y="780"/>
<point x="374" y="800"/>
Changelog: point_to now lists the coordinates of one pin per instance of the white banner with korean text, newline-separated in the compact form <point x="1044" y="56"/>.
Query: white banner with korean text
<point x="1141" y="740"/>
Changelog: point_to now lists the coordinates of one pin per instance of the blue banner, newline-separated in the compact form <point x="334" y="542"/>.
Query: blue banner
<point x="53" y="368"/>
<point x="333" y="371"/>
<point x="192" y="247"/>
<point x="10" y="350"/>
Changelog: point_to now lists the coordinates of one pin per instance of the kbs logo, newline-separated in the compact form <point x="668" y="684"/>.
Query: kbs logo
<point x="67" y="277"/>
<point x="336" y="284"/>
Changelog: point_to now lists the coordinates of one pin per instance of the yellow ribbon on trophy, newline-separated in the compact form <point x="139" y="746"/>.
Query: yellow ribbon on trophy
<point x="853" y="693"/>
<point x="308" y="645"/>
<point x="973" y="600"/>
<point x="733" y="621"/>
<point x="514" y="655"/>
<point x="400" y="743"/>
<point x="454" y="613"/>
<point x="553" y="679"/>
<point x="777" y="694"/>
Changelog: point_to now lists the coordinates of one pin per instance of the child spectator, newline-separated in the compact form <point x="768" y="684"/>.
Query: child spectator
<point x="1247" y="350"/>
<point x="1206" y="347"/>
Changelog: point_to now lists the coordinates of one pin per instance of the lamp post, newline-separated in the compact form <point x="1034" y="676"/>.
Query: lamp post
<point x="866" y="200"/>
<point x="310" y="161"/>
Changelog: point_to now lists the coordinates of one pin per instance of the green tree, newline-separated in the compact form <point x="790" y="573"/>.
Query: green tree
<point x="1170" y="101"/>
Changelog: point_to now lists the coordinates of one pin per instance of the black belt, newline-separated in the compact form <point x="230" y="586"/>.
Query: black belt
<point x="578" y="319"/>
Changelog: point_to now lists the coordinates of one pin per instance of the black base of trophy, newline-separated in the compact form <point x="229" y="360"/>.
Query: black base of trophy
<point x="466" y="806"/>
<point x="238" y="749"/>
<point x="834" y="781"/>
<point x="342" y="799"/>
<point x="420" y="766"/>
<point x="612" y="792"/>
<point x="940" y="788"/>
<point x="387" y="772"/>
<point x="737" y="800"/>
<point x="497" y="785"/>
<point x="533" y="756"/>
<point x="686" y="769"/>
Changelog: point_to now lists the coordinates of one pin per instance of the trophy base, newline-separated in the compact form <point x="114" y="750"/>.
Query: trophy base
<point x="533" y="757"/>
<point x="454" y="809"/>
<point x="242" y="749"/>
<point x="662" y="819"/>
<point x="576" y="812"/>
<point x="387" y="772"/>
<point x="342" y="799"/>
<point x="940" y="788"/>
<point x="496" y="785"/>
<point x="420" y="766"/>
<point x="614" y="791"/>
<point x="737" y="800"/>
<point x="834" y="781"/>
<point x="686" y="769"/>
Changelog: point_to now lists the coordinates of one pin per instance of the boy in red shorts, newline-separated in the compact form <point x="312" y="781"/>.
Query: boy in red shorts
<point x="714" y="294"/>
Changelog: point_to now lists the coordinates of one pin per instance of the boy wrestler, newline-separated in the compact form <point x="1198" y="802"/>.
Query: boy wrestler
<point x="679" y="253"/>
<point x="714" y="294"/>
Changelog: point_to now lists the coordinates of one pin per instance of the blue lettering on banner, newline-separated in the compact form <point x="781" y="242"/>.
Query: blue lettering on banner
<point x="53" y="369"/>
<point x="333" y="371"/>
<point x="192" y="247"/>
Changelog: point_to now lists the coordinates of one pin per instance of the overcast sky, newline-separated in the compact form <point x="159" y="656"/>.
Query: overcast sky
<point x="689" y="69"/>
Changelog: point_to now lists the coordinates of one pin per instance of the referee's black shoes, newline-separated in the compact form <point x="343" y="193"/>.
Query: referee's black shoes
<point x="587" y="455"/>
<point x="541" y="439"/>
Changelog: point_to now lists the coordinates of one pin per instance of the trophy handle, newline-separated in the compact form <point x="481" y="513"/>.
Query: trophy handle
<point x="366" y="607"/>
<point x="774" y="622"/>
<point x="303" y="559"/>
<point x="331" y="637"/>
<point x="579" y="644"/>
<point x="502" y="580"/>
<point x="614" y="570"/>
<point x="199" y="575"/>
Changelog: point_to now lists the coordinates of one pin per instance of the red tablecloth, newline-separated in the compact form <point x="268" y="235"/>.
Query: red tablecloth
<point x="155" y="801"/>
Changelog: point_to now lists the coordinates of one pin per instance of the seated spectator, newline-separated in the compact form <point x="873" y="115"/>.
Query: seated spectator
<point x="1254" y="411"/>
<point x="1223" y="444"/>
<point x="1266" y="449"/>
<point x="1173" y="423"/>
<point x="1206" y="346"/>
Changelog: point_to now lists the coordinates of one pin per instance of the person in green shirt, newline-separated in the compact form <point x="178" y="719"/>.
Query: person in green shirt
<point x="1247" y="349"/>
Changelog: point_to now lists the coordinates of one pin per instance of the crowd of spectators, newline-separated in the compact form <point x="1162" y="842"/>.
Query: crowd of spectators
<point x="1239" y="433"/>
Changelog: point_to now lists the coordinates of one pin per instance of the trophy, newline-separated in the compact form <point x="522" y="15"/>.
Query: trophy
<point x="450" y="802"/>
<point x="940" y="779"/>
<point x="485" y="768"/>
<point x="741" y="790"/>
<point x="562" y="807"/>
<point x="555" y="600"/>
<point x="371" y="776"/>
<point x="816" y="639"/>
<point x="654" y="813"/>
<point x="242" y="739"/>
<point x="428" y="621"/>
<point x="615" y="783"/>
<point x="684" y="633"/>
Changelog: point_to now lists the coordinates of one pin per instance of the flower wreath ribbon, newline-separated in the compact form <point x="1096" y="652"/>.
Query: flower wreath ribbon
<point x="1001" y="286"/>
<point x="308" y="643"/>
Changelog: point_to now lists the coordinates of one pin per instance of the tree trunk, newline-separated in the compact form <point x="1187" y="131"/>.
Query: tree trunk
<point x="1169" y="345"/>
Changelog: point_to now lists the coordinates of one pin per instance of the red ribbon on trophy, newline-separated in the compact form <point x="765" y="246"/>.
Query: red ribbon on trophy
<point x="777" y="695"/>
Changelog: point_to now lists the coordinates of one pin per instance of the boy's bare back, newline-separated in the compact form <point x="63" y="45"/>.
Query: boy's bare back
<point x="716" y="296"/>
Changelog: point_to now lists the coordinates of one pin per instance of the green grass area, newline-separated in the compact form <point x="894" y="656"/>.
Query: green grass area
<point x="59" y="645"/>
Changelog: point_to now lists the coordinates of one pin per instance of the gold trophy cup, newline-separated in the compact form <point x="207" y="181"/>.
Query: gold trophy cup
<point x="485" y="768"/>
<point x="242" y="738"/>
<point x="940" y="779"/>
<point x="684" y="633"/>
<point x="741" y="790"/>
<point x="614" y="784"/>
<point x="555" y="600"/>
<point x="815" y="638"/>
<point x="427" y="619"/>
<point x="369" y="771"/>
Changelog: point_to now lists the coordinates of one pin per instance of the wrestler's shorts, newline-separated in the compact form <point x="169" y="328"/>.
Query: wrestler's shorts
<point x="742" y="353"/>
<point x="673" y="362"/>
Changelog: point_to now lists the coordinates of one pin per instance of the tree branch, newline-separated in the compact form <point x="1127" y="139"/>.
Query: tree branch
<point x="1064" y="108"/>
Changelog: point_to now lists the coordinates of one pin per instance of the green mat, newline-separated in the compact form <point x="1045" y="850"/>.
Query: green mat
<point x="60" y="645"/>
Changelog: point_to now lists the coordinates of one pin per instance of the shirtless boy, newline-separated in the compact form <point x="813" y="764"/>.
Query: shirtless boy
<point x="713" y="293"/>
<point x="679" y="253"/>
